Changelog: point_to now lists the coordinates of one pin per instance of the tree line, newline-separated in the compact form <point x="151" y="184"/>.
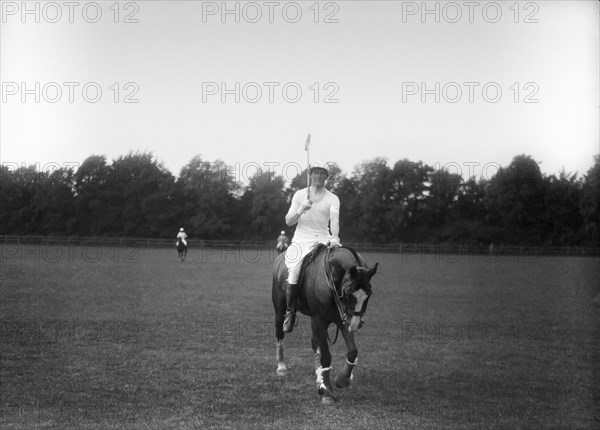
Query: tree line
<point x="136" y="196"/>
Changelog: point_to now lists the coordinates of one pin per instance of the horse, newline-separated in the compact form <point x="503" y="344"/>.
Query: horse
<point x="281" y="247"/>
<point x="181" y="250"/>
<point x="334" y="283"/>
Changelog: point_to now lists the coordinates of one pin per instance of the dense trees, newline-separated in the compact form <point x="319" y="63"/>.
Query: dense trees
<point x="135" y="195"/>
<point x="129" y="197"/>
<point x="204" y="199"/>
<point x="590" y="202"/>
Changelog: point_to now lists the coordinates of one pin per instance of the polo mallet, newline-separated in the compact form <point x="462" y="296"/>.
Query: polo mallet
<point x="306" y="148"/>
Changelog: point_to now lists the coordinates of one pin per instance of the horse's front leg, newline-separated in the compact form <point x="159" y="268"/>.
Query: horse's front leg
<point x="344" y="378"/>
<point x="322" y="360"/>
<point x="315" y="346"/>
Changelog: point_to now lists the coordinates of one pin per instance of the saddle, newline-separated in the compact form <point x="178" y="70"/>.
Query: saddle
<point x="309" y="258"/>
<point x="334" y="274"/>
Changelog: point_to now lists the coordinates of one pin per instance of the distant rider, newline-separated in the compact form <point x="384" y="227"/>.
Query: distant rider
<point x="317" y="216"/>
<point x="282" y="242"/>
<point x="181" y="235"/>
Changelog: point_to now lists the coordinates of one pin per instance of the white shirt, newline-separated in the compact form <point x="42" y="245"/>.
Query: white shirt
<point x="313" y="225"/>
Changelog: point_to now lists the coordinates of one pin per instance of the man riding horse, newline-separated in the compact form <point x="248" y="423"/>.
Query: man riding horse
<point x="182" y="235"/>
<point x="332" y="287"/>
<point x="282" y="242"/>
<point x="181" y="245"/>
<point x="316" y="210"/>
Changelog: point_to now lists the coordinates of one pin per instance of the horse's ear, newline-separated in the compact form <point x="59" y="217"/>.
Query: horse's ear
<point x="373" y="270"/>
<point x="353" y="272"/>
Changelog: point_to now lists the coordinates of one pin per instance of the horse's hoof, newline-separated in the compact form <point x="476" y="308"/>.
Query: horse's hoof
<point x="326" y="400"/>
<point x="326" y="394"/>
<point x="281" y="370"/>
<point x="342" y="382"/>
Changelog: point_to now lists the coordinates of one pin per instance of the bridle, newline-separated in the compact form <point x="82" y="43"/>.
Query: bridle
<point x="343" y="289"/>
<point x="340" y="300"/>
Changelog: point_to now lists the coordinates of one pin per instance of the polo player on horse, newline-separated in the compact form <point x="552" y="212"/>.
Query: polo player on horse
<point x="182" y="235"/>
<point x="316" y="210"/>
<point x="282" y="242"/>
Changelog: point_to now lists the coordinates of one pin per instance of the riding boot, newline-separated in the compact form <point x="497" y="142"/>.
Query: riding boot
<point x="290" y="313"/>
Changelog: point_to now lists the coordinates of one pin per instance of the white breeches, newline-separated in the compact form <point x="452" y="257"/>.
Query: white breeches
<point x="294" y="256"/>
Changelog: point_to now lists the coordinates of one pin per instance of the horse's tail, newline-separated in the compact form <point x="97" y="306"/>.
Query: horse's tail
<point x="279" y="261"/>
<point x="275" y="277"/>
<point x="276" y="266"/>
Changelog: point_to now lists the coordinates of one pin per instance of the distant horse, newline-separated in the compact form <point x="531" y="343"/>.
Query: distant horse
<point x="181" y="250"/>
<point x="325" y="269"/>
<point x="281" y="247"/>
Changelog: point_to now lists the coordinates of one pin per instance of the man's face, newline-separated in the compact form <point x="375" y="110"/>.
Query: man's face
<point x="318" y="176"/>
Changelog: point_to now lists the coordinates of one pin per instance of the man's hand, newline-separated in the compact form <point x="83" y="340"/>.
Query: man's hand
<point x="305" y="206"/>
<point x="334" y="241"/>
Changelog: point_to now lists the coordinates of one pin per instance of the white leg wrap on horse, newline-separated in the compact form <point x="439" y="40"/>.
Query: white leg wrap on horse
<point x="319" y="373"/>
<point x="324" y="387"/>
<point x="281" y="367"/>
<point x="318" y="359"/>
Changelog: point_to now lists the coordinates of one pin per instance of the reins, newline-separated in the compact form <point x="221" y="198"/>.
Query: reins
<point x="341" y="307"/>
<point x="338" y="299"/>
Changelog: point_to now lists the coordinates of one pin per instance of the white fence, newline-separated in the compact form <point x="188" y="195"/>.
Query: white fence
<point x="408" y="248"/>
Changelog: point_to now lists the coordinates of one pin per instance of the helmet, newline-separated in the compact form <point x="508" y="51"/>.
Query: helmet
<point x="181" y="229"/>
<point x="319" y="164"/>
<point x="282" y="232"/>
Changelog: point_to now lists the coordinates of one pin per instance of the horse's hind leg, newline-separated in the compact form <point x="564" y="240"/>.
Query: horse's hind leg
<point x="315" y="346"/>
<point x="281" y="367"/>
<point x="279" y="305"/>
<point x="344" y="378"/>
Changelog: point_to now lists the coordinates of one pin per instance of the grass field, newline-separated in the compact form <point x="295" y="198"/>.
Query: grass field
<point x="101" y="338"/>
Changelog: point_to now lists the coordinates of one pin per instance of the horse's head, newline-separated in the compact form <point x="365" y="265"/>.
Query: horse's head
<point x="356" y="288"/>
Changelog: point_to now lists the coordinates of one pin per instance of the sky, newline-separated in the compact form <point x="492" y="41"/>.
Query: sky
<point x="461" y="85"/>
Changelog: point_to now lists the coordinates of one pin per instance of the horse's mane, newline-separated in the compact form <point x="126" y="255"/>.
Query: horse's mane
<point x="341" y="260"/>
<point x="346" y="257"/>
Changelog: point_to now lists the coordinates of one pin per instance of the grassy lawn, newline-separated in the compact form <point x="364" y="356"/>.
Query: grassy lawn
<point x="105" y="338"/>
